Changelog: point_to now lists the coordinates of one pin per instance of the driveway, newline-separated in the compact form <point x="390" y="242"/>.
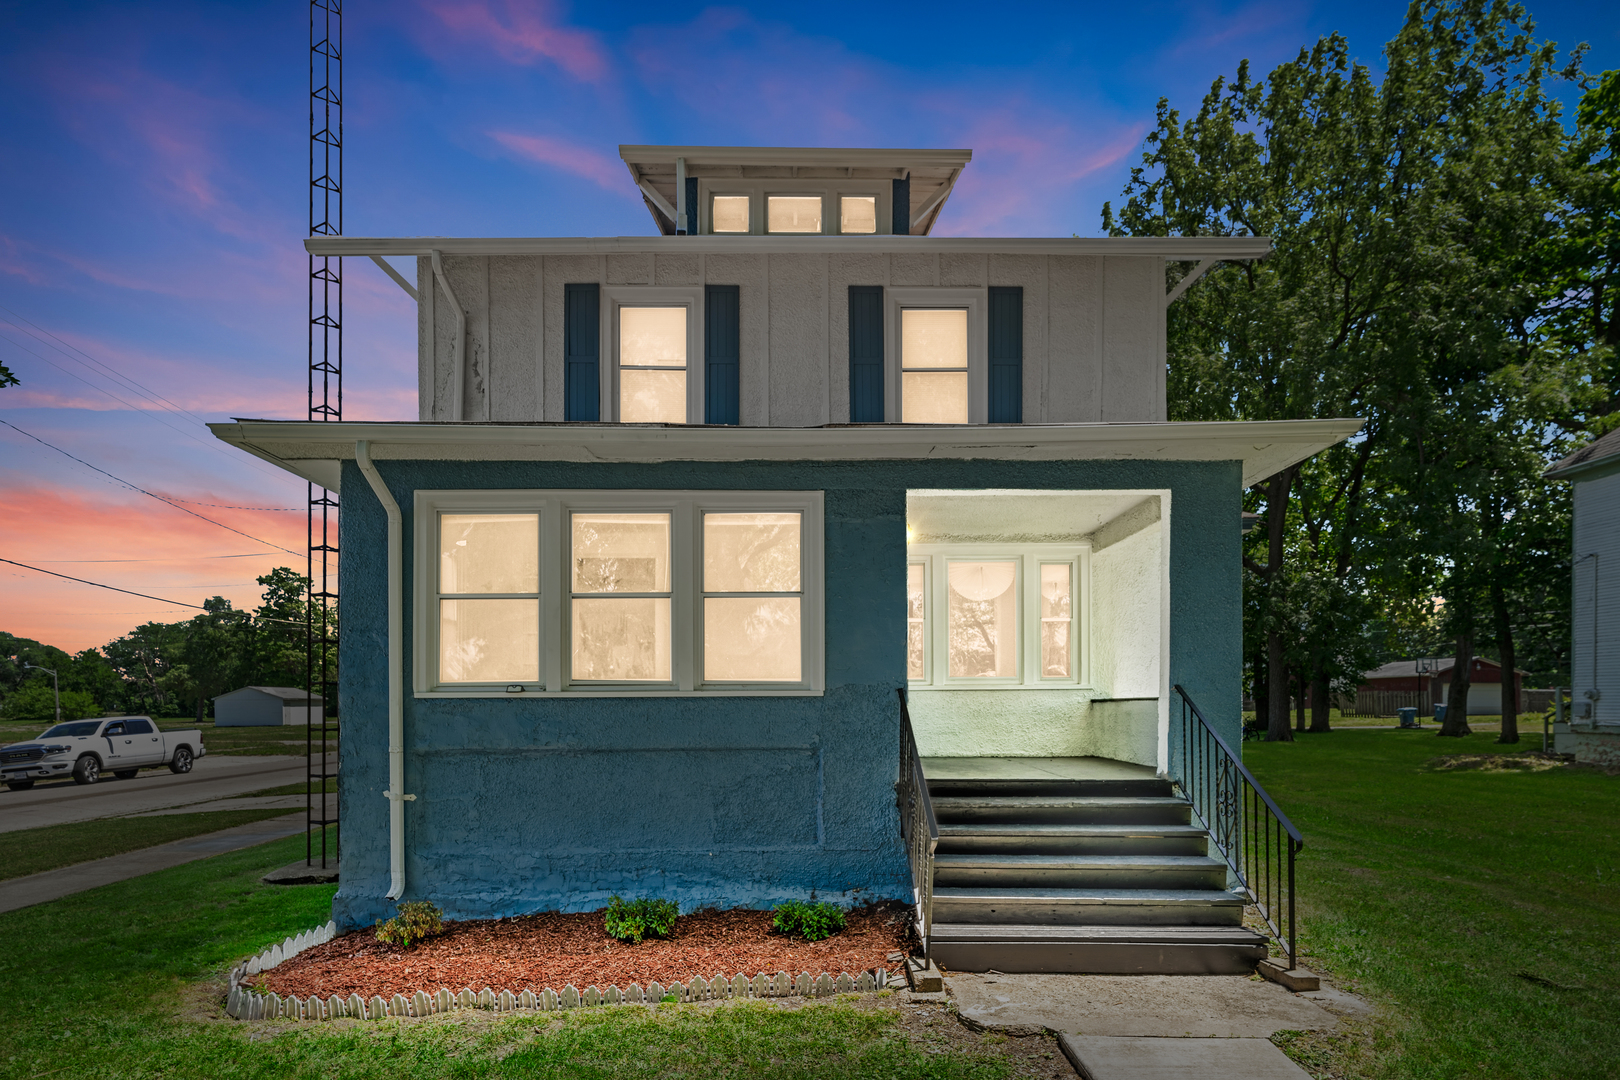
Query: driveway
<point x="61" y="801"/>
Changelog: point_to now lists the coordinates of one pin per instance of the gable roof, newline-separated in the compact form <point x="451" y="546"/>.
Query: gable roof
<point x="1598" y="452"/>
<point x="285" y="693"/>
<point x="1407" y="669"/>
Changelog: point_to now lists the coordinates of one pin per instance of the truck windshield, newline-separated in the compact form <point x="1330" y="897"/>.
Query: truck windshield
<point x="72" y="731"/>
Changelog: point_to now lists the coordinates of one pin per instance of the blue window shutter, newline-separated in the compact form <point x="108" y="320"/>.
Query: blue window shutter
<point x="902" y="207"/>
<point x="582" y="335"/>
<point x="866" y="353"/>
<point x="692" y="206"/>
<point x="722" y="354"/>
<point x="1006" y="355"/>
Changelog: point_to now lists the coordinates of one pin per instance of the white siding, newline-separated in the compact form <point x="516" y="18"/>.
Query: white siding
<point x="1094" y="345"/>
<point x="1596" y="600"/>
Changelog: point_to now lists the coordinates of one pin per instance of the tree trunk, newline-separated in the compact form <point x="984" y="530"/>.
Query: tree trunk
<point x="1277" y="672"/>
<point x="1510" y="678"/>
<point x="1262" y="689"/>
<point x="1319" y="702"/>
<point x="1457" y="696"/>
<point x="1300" y="685"/>
<point x="200" y="702"/>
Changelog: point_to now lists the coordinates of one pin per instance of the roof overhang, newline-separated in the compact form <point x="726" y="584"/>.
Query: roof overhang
<point x="316" y="451"/>
<point x="1177" y="248"/>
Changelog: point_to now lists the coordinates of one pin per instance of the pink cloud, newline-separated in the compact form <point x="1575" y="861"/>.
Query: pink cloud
<point x="523" y="33"/>
<point x="570" y="157"/>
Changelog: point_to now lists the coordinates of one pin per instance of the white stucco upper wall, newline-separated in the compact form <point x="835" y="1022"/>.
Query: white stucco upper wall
<point x="1094" y="326"/>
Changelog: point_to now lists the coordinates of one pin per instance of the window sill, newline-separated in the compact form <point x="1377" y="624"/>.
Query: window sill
<point x="981" y="687"/>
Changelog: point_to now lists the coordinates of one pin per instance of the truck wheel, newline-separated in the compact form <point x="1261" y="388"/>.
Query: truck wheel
<point x="19" y="785"/>
<point x="87" y="770"/>
<point x="182" y="760"/>
<point x="126" y="774"/>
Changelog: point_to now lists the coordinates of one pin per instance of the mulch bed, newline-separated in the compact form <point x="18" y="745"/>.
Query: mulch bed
<point x="533" y="952"/>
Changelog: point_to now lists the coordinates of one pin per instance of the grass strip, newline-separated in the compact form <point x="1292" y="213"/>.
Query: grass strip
<point x="99" y="997"/>
<point x="1478" y="908"/>
<point x="32" y="851"/>
<point x="300" y="788"/>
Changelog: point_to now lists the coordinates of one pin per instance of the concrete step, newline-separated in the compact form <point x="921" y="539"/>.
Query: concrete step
<point x="1066" y="839"/>
<point x="1138" y="787"/>
<point x="1097" y="950"/>
<point x="1000" y="871"/>
<point x="1088" y="907"/>
<point x="1061" y="809"/>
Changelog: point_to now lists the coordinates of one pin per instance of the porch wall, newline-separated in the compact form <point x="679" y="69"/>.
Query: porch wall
<point x="554" y="803"/>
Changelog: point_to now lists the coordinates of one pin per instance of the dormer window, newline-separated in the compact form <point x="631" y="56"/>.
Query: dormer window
<point x="857" y="214"/>
<point x="793" y="213"/>
<point x="729" y="214"/>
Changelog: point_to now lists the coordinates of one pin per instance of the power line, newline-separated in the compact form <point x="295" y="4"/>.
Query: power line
<point x="143" y="491"/>
<point x="249" y="555"/>
<point x="143" y="596"/>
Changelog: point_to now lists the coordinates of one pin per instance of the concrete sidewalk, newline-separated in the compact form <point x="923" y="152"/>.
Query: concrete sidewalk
<point x="54" y="884"/>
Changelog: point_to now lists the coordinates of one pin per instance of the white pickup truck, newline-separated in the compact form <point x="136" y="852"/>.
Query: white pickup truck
<point x="84" y="749"/>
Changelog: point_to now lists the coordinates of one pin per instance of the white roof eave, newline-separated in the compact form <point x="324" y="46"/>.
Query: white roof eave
<point x="1166" y="247"/>
<point x="316" y="450"/>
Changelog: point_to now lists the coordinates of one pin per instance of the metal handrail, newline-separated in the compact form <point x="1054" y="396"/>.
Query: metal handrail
<point x="1244" y="823"/>
<point x="919" y="829"/>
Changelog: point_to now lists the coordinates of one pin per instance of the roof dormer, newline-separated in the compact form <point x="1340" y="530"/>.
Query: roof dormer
<point x="793" y="191"/>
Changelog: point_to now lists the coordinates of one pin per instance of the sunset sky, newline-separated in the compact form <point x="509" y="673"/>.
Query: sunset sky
<point x="153" y="198"/>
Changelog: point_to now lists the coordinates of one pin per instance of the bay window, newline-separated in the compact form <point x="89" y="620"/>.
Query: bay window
<point x="1002" y="617"/>
<point x="551" y="592"/>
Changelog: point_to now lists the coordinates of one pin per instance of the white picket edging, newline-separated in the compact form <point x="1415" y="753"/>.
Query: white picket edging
<point x="245" y="1004"/>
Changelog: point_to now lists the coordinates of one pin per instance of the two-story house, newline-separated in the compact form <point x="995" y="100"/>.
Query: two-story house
<point x="626" y="609"/>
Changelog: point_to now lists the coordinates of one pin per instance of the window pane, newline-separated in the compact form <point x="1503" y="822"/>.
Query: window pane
<point x="858" y="214"/>
<point x="1057" y="613"/>
<point x="652" y="397"/>
<point x="983" y="631"/>
<point x="916" y="579"/>
<point x="933" y="338"/>
<point x="934" y="397"/>
<point x="624" y="639"/>
<point x="793" y="213"/>
<point x="485" y="553"/>
<point x="652" y="336"/>
<point x="750" y="552"/>
<point x="751" y="639"/>
<point x="729" y="214"/>
<point x="489" y="640"/>
<point x="621" y="553"/>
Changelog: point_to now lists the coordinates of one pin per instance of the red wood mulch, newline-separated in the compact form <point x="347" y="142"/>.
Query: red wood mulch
<point x="552" y="949"/>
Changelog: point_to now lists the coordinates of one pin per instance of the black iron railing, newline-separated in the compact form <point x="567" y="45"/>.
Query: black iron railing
<point x="919" y="829"/>
<point x="1254" y="837"/>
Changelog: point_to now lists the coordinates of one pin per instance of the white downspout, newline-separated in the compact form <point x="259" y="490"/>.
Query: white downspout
<point x="396" y="670"/>
<point x="461" y="338"/>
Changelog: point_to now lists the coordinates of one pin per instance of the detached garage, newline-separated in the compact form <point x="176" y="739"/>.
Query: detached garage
<point x="267" y="706"/>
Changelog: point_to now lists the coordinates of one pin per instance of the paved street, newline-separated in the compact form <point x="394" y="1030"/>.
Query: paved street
<point x="217" y="777"/>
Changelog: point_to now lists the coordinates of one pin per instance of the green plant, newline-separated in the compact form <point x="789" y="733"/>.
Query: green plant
<point x="417" y="921"/>
<point x="633" y="920"/>
<point x="812" y="921"/>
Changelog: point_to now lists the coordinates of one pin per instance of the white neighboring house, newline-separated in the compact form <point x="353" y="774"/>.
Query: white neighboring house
<point x="1594" y="728"/>
<point x="267" y="706"/>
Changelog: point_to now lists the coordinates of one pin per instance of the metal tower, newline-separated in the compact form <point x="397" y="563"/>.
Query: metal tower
<point x="325" y="404"/>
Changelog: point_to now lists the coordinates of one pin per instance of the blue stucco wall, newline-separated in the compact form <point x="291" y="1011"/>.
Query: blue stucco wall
<point x="554" y="803"/>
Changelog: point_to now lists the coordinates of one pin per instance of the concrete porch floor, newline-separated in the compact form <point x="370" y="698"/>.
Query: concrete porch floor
<point x="1033" y="768"/>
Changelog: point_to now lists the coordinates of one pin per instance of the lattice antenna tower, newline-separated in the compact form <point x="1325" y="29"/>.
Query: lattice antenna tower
<point x="325" y="404"/>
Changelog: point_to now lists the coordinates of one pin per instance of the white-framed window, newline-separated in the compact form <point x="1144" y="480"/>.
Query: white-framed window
<point x="655" y="337"/>
<point x="787" y="207"/>
<point x="618" y="592"/>
<point x="989" y="616"/>
<point x="939" y="373"/>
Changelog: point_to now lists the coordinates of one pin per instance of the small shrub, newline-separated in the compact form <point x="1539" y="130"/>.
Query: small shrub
<point x="417" y="921"/>
<point x="633" y="920"/>
<point x="812" y="921"/>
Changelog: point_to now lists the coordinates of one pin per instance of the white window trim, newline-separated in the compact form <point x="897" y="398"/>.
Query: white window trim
<point x="615" y="297"/>
<point x="830" y="190"/>
<point x="936" y="672"/>
<point x="975" y="301"/>
<point x="686" y="568"/>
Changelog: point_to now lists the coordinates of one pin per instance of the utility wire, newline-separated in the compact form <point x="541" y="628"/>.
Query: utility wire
<point x="132" y="592"/>
<point x="143" y="491"/>
<point x="249" y="555"/>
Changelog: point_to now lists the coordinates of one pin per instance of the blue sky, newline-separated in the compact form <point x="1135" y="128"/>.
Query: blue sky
<point x="153" y="179"/>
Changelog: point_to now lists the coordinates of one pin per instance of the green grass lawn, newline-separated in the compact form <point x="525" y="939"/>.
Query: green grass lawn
<point x="30" y="851"/>
<point x="126" y="981"/>
<point x="300" y="788"/>
<point x="1479" y="910"/>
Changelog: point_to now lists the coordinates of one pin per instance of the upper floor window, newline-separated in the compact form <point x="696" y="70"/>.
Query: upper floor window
<point x="652" y="365"/>
<point x="729" y="214"/>
<point x="933" y="365"/>
<point x="857" y="214"/>
<point x="793" y="213"/>
<point x="828" y="207"/>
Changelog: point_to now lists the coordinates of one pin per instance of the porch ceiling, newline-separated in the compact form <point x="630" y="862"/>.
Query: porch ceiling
<point x="315" y="450"/>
